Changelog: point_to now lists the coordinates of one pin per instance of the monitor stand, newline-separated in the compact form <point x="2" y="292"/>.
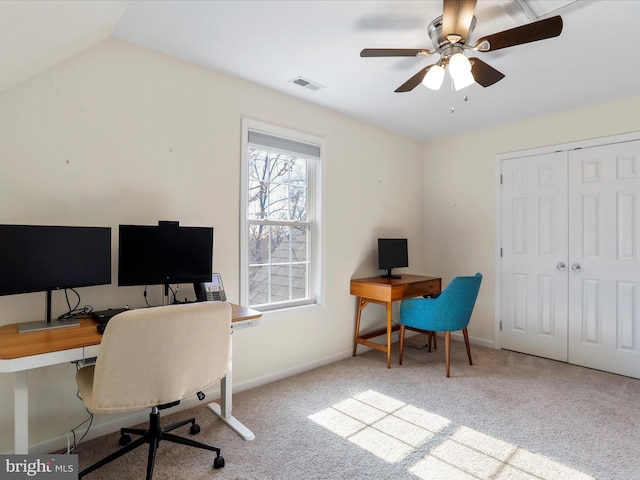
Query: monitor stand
<point x="390" y="275"/>
<point x="47" y="324"/>
<point x="44" y="325"/>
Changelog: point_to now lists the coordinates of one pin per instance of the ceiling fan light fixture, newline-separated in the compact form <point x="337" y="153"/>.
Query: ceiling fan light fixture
<point x="463" y="80"/>
<point x="459" y="65"/>
<point x="434" y="77"/>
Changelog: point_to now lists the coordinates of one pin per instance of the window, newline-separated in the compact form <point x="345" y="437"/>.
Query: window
<point x="280" y="209"/>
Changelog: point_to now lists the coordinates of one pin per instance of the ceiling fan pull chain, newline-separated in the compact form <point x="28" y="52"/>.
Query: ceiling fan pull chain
<point x="451" y="90"/>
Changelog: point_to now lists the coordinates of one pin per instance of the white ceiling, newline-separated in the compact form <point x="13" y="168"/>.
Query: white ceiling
<point x="273" y="42"/>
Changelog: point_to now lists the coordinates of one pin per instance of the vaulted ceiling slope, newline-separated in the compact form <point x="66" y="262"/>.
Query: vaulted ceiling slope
<point x="273" y="43"/>
<point x="37" y="34"/>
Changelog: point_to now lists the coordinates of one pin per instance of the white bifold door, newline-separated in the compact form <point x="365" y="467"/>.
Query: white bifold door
<point x="570" y="265"/>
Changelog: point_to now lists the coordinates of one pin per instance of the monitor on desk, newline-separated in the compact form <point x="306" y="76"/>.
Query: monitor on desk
<point x="392" y="253"/>
<point x="164" y="253"/>
<point x="43" y="258"/>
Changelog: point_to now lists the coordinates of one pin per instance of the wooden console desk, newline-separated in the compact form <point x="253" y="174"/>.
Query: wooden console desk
<point x="21" y="352"/>
<point x="385" y="291"/>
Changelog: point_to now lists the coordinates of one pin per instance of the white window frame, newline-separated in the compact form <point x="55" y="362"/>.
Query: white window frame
<point x="314" y="210"/>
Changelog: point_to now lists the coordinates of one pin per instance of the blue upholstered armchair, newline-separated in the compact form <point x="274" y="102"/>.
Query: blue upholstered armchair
<point x="448" y="312"/>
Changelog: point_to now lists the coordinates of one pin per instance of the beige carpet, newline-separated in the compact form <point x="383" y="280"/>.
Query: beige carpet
<point x="510" y="416"/>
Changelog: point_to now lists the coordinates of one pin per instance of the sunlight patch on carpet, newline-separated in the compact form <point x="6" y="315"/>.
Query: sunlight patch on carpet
<point x="392" y="430"/>
<point x="384" y="426"/>
<point x="472" y="454"/>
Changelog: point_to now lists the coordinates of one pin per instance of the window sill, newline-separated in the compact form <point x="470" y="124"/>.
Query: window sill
<point x="289" y="310"/>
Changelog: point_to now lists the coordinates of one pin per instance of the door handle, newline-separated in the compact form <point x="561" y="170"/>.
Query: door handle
<point x="561" y="266"/>
<point x="576" y="267"/>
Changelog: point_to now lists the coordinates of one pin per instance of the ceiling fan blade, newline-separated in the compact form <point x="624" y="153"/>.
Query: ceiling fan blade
<point x="483" y="73"/>
<point x="457" y="16"/>
<point x="414" y="81"/>
<point x="395" y="52"/>
<point x="531" y="32"/>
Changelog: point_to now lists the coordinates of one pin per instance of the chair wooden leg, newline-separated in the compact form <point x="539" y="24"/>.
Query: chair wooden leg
<point x="447" y="350"/>
<point x="466" y="342"/>
<point x="432" y="336"/>
<point x="401" y="343"/>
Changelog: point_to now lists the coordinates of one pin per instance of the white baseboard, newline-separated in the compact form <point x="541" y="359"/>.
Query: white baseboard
<point x="273" y="377"/>
<point x="457" y="336"/>
<point x="483" y="342"/>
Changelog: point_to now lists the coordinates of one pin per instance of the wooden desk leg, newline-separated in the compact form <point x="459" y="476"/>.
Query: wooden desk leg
<point x="360" y="304"/>
<point x="389" y="332"/>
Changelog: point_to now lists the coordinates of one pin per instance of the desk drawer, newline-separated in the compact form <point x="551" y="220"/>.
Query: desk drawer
<point x="419" y="289"/>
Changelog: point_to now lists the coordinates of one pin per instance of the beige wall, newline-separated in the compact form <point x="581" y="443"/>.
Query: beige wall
<point x="460" y="190"/>
<point x="119" y="134"/>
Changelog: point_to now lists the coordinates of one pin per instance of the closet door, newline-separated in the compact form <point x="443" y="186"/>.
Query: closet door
<point x="604" y="258"/>
<point x="534" y="255"/>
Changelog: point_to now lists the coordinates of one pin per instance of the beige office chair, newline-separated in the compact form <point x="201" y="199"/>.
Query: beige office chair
<point x="153" y="358"/>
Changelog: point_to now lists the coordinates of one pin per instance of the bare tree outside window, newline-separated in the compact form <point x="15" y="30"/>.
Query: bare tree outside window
<point x="279" y="229"/>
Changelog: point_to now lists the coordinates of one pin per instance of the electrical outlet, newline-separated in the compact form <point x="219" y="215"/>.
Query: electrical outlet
<point x="87" y="361"/>
<point x="254" y="322"/>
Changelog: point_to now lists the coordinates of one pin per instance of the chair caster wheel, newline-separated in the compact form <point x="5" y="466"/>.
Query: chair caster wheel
<point x="195" y="428"/>
<point x="124" y="440"/>
<point x="218" y="462"/>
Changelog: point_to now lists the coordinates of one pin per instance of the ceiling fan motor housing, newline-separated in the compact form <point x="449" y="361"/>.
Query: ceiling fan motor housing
<point x="439" y="40"/>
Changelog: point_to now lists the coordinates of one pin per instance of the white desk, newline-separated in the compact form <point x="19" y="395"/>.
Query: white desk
<point x="21" y="352"/>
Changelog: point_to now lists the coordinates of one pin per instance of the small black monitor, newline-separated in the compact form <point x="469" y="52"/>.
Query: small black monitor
<point x="392" y="253"/>
<point x="164" y="253"/>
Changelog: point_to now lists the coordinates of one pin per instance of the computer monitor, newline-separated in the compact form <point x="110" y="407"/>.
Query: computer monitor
<point x="392" y="253"/>
<point x="164" y="253"/>
<point x="43" y="258"/>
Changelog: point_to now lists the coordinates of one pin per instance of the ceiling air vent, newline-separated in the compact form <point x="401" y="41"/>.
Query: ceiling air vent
<point x="308" y="84"/>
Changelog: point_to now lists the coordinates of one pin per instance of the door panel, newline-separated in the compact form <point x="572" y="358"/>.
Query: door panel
<point x="534" y="245"/>
<point x="581" y="209"/>
<point x="604" y="241"/>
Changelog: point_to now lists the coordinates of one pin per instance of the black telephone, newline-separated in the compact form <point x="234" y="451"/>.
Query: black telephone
<point x="210" y="291"/>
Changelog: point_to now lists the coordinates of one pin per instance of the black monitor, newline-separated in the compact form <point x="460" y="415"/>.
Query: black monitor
<point x="392" y="253"/>
<point x="164" y="253"/>
<point x="42" y="258"/>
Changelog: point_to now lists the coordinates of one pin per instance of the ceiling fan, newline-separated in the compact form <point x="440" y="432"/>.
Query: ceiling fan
<point x="449" y="34"/>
